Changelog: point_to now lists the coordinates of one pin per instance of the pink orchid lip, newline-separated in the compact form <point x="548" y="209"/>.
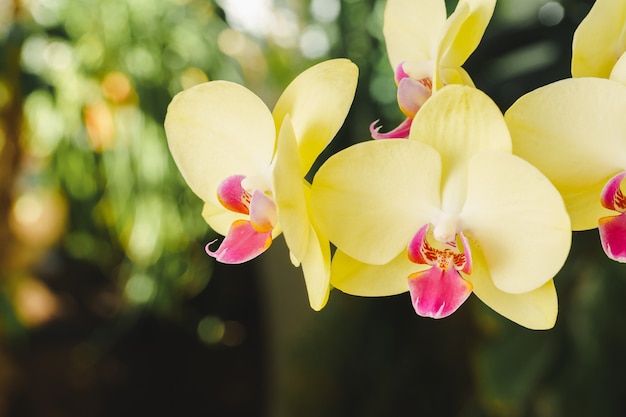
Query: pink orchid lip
<point x="437" y="293"/>
<point x="258" y="204"/>
<point x="412" y="94"/>
<point x="613" y="228"/>
<point x="241" y="244"/>
<point x="246" y="239"/>
<point x="613" y="236"/>
<point x="440" y="290"/>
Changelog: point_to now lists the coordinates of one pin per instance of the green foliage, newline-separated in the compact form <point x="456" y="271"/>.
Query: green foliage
<point x="99" y="77"/>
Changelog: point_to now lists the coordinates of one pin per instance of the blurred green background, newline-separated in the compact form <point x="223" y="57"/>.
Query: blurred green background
<point x="109" y="305"/>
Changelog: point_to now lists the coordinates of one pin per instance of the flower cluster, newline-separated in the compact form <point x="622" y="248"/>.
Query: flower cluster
<point x="458" y="199"/>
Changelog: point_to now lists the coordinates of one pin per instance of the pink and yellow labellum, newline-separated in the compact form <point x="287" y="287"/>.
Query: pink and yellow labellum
<point x="440" y="290"/>
<point x="446" y="213"/>
<point x="427" y="49"/>
<point x="241" y="244"/>
<point x="412" y="94"/>
<point x="248" y="164"/>
<point x="613" y="228"/>
<point x="245" y="239"/>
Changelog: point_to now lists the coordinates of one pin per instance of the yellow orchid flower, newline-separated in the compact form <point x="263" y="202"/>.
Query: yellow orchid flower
<point x="448" y="212"/>
<point x="248" y="164"/>
<point x="599" y="45"/>
<point x="574" y="131"/>
<point x="427" y="50"/>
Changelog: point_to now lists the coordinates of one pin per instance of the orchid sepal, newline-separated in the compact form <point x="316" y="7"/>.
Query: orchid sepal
<point x="316" y="265"/>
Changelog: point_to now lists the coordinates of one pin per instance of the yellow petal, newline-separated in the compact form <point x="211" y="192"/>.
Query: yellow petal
<point x="463" y="32"/>
<point x="289" y="192"/>
<point x="357" y="278"/>
<point x="316" y="269"/>
<point x="574" y="131"/>
<point x="215" y="130"/>
<point x="412" y="29"/>
<point x="518" y="219"/>
<point x="371" y="198"/>
<point x="599" y="39"/>
<point x="318" y="101"/>
<point x="536" y="309"/>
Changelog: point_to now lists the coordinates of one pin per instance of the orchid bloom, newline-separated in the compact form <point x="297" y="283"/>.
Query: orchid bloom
<point x="426" y="50"/>
<point x="447" y="212"/>
<point x="574" y="131"/>
<point x="248" y="164"/>
<point x="599" y="45"/>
